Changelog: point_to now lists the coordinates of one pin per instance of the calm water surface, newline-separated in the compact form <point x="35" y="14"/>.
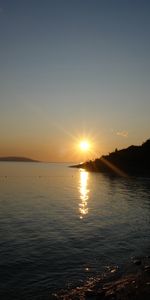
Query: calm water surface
<point x="59" y="226"/>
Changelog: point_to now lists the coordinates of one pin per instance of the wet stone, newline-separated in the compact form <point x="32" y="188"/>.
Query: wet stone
<point x="137" y="262"/>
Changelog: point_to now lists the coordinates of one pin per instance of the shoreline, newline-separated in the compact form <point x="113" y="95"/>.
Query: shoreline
<point x="131" y="161"/>
<point x="130" y="283"/>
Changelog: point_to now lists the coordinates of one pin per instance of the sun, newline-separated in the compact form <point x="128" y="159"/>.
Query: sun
<point x="84" y="146"/>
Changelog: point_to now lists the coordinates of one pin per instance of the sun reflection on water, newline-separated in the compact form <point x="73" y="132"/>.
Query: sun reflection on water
<point x="84" y="193"/>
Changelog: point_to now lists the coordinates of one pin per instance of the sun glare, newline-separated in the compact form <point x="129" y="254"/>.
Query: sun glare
<point x="84" y="145"/>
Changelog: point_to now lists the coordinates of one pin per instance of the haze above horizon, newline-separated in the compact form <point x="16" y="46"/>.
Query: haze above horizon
<point x="73" y="71"/>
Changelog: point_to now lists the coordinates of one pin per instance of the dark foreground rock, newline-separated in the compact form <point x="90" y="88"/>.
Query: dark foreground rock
<point x="132" y="283"/>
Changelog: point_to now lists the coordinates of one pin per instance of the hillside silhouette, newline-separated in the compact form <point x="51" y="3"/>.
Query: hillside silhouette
<point x="134" y="160"/>
<point x="17" y="159"/>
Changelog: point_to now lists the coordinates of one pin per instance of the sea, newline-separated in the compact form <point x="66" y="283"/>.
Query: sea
<point x="60" y="226"/>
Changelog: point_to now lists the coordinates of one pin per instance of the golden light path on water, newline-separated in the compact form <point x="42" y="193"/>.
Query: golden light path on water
<point x="84" y="193"/>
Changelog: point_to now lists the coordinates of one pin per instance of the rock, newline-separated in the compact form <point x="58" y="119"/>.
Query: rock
<point x="137" y="262"/>
<point x="132" y="284"/>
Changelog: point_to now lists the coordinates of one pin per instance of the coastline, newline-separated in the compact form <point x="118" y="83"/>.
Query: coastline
<point x="132" y="282"/>
<point x="132" y="161"/>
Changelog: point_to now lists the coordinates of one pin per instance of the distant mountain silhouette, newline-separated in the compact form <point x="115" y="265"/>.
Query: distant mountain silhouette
<point x="134" y="160"/>
<point x="17" y="159"/>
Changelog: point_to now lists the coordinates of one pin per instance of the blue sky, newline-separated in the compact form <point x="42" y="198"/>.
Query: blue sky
<point x="72" y="69"/>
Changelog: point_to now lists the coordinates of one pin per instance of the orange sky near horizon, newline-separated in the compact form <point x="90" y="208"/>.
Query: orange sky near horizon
<point x="72" y="71"/>
<point x="66" y="150"/>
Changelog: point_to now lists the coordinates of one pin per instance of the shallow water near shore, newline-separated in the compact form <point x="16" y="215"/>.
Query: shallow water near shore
<point x="59" y="226"/>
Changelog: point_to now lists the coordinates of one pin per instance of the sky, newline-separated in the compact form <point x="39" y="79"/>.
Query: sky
<point x="73" y="70"/>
